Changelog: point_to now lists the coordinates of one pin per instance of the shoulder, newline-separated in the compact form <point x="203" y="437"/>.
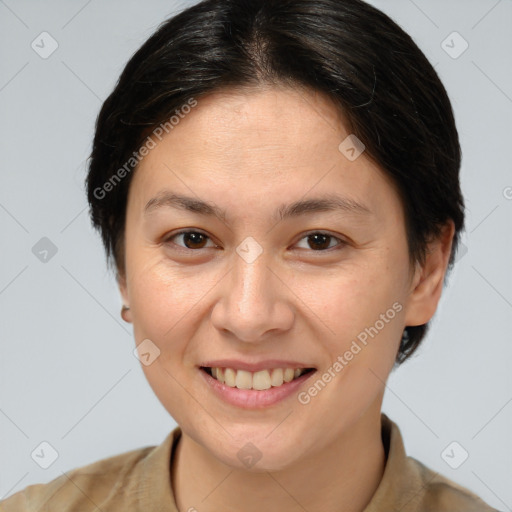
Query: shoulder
<point x="410" y="486"/>
<point x="444" y="495"/>
<point x="112" y="481"/>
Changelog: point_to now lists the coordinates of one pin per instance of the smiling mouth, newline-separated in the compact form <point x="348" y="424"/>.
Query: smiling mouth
<point x="260" y="380"/>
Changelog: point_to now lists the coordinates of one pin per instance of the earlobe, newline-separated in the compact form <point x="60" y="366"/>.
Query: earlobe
<point x="125" y="314"/>
<point x="428" y="280"/>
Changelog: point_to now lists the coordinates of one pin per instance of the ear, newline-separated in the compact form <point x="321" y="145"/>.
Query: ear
<point x="123" y="289"/>
<point x="427" y="282"/>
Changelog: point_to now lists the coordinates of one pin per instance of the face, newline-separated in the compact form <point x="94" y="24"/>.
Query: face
<point x="287" y="255"/>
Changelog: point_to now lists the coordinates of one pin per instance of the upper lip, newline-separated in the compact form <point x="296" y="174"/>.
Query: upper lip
<point x="267" y="364"/>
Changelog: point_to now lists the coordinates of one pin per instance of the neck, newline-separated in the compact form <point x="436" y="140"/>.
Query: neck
<point x="342" y="477"/>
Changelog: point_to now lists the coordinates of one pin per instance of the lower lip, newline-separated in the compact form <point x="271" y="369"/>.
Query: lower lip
<point x="252" y="398"/>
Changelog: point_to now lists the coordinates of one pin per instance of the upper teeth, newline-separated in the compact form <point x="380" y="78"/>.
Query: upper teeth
<point x="263" y="379"/>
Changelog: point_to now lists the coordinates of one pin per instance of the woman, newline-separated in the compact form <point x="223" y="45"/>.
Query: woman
<point x="276" y="185"/>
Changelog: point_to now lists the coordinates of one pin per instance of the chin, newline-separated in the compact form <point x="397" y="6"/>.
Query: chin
<point x="254" y="451"/>
<point x="258" y="461"/>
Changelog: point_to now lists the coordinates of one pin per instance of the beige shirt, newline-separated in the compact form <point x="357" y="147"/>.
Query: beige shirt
<point x="140" y="481"/>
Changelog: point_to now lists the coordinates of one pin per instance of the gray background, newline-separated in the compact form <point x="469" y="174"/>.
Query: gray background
<point x="68" y="375"/>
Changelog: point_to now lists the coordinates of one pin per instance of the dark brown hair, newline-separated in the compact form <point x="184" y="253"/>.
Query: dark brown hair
<point x="386" y="89"/>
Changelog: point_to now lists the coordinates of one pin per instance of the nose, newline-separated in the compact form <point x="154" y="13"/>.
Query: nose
<point x="254" y="302"/>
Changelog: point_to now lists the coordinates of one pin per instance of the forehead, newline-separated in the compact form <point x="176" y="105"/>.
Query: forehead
<point x="267" y="122"/>
<point x="256" y="145"/>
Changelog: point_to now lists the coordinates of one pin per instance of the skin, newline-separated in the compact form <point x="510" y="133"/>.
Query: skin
<point x="250" y="151"/>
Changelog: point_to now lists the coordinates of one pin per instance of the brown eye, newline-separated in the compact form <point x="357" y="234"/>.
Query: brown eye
<point x="191" y="239"/>
<point x="194" y="240"/>
<point x="319" y="241"/>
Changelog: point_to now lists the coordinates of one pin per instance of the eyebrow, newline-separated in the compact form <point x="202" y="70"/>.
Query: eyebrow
<point x="325" y="203"/>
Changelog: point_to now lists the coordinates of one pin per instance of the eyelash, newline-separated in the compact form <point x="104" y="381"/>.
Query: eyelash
<point x="341" y="243"/>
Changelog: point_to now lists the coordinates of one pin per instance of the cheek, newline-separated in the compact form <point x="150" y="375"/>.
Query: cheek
<point x="162" y="290"/>
<point x="351" y="303"/>
<point x="163" y="312"/>
<point x="169" y="305"/>
<point x="365" y="315"/>
<point x="162" y="305"/>
<point x="367" y="318"/>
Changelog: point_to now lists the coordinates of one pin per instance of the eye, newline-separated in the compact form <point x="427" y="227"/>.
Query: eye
<point x="319" y="241"/>
<point x="191" y="239"/>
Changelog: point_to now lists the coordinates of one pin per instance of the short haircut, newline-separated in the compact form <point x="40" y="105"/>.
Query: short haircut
<point x="387" y="91"/>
